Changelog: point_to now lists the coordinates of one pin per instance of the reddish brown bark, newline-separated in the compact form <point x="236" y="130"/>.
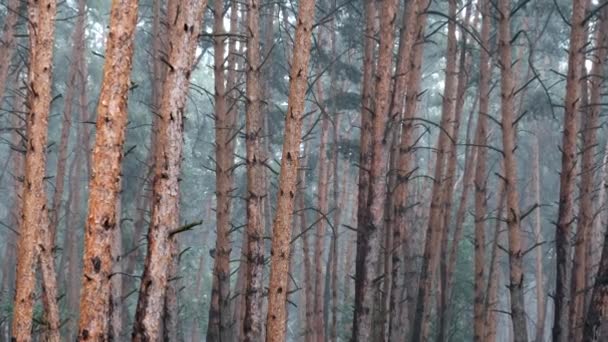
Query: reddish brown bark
<point x="568" y="175"/>
<point x="439" y="201"/>
<point x="596" y="319"/>
<point x="255" y="179"/>
<point x="279" y="263"/>
<point x="591" y="109"/>
<point x="414" y="41"/>
<point x="507" y="94"/>
<point x="183" y="33"/>
<point x="35" y="243"/>
<point x="407" y="78"/>
<point x="445" y="273"/>
<point x="146" y="173"/>
<point x="104" y="186"/>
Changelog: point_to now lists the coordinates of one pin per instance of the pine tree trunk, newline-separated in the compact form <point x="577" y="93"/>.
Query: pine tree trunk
<point x="591" y="109"/>
<point x="219" y="310"/>
<point x="183" y="33"/>
<point x="368" y="244"/>
<point x="490" y="305"/>
<point x="318" y="330"/>
<point x="539" y="275"/>
<point x="104" y="186"/>
<point x="596" y="320"/>
<point x="507" y="94"/>
<point x="404" y="71"/>
<point x="568" y="175"/>
<point x="74" y="210"/>
<point x="413" y="41"/>
<point x="450" y="186"/>
<point x="481" y="136"/>
<point x="281" y="234"/>
<point x="146" y="173"/>
<point x="340" y="198"/>
<point x="439" y="203"/>
<point x="115" y="320"/>
<point x="7" y="42"/>
<point x="255" y="179"/>
<point x="365" y="145"/>
<point x="35" y="239"/>
<point x="66" y="125"/>
<point x="308" y="291"/>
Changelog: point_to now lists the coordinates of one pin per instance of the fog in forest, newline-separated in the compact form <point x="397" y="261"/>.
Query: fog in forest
<point x="330" y="170"/>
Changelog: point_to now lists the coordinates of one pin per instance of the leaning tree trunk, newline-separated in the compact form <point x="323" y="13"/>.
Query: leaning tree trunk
<point x="507" y="94"/>
<point x="436" y="225"/>
<point x="281" y="230"/>
<point x="104" y="193"/>
<point x="35" y="239"/>
<point x="183" y="33"/>
<point x="567" y="176"/>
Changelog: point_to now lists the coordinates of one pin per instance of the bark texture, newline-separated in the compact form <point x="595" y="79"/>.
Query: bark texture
<point x="255" y="180"/>
<point x="281" y="234"/>
<point x="481" y="175"/>
<point x="590" y="113"/>
<point x="595" y="325"/>
<point x="368" y="245"/>
<point x="219" y="310"/>
<point x="184" y="33"/>
<point x="34" y="243"/>
<point x="507" y="94"/>
<point x="105" y="182"/>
